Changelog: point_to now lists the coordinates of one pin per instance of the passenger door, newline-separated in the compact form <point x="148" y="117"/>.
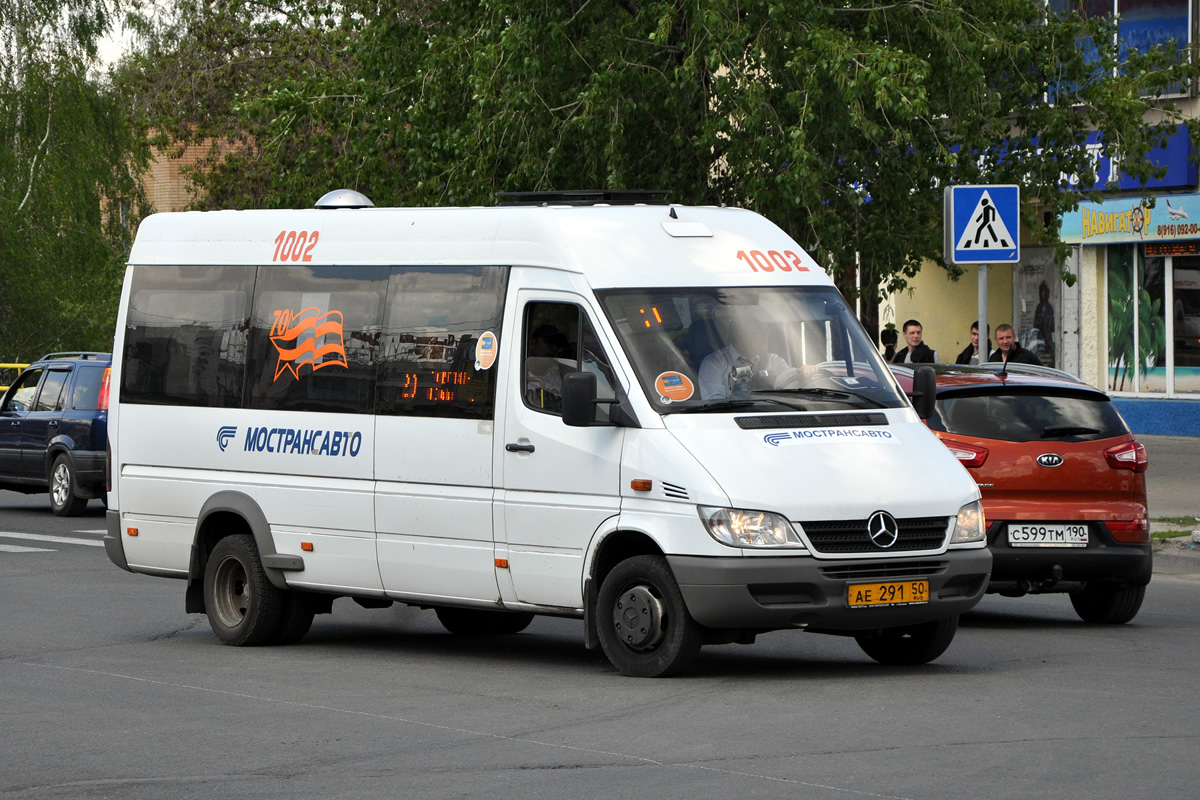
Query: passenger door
<point x="558" y="484"/>
<point x="18" y="403"/>
<point x="41" y="424"/>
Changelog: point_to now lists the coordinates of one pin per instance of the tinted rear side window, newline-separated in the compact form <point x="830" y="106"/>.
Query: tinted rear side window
<point x="313" y="338"/>
<point x="185" y="341"/>
<point x="86" y="392"/>
<point x="1027" y="414"/>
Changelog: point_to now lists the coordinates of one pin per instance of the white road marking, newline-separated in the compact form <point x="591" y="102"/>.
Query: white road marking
<point x="42" y="537"/>
<point x="16" y="548"/>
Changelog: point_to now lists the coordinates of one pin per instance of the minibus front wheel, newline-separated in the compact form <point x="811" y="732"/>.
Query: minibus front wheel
<point x="911" y="644"/>
<point x="243" y="607"/>
<point x="642" y="622"/>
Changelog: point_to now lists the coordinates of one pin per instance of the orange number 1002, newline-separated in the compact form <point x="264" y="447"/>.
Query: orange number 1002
<point x="768" y="261"/>
<point x="291" y="245"/>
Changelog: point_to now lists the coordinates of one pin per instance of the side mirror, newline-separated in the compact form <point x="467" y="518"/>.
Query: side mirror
<point x="924" y="393"/>
<point x="579" y="399"/>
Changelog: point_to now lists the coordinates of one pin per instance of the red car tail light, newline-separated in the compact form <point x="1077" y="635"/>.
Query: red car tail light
<point x="1131" y="455"/>
<point x="1134" y="531"/>
<point x="102" y="401"/>
<point x="970" y="455"/>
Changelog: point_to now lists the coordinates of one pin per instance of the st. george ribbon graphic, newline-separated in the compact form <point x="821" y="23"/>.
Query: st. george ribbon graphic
<point x="308" y="337"/>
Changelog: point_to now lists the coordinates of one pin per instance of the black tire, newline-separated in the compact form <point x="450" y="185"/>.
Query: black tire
<point x="243" y="607"/>
<point x="64" y="497"/>
<point x="295" y="618"/>
<point x="481" y="622"/>
<point x="910" y="645"/>
<point x="643" y="624"/>
<point x="1107" y="604"/>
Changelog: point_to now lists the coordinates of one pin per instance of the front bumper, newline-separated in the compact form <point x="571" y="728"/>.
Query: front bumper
<point x="772" y="593"/>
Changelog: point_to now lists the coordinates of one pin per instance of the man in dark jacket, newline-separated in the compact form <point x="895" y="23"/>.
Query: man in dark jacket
<point x="917" y="351"/>
<point x="1009" y="349"/>
<point x="973" y="353"/>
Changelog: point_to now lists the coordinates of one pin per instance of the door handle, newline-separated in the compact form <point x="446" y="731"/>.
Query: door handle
<point x="513" y="447"/>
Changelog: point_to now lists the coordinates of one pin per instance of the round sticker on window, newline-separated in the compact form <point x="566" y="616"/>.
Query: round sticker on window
<point x="673" y="387"/>
<point x="486" y="351"/>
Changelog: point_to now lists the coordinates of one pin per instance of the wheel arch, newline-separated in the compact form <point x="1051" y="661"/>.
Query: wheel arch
<point x="224" y="514"/>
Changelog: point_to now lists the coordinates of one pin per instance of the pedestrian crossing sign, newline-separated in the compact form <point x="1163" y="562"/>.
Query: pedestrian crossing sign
<point x="983" y="224"/>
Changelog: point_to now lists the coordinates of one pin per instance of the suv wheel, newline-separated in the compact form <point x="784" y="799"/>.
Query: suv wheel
<point x="64" y="500"/>
<point x="1110" y="605"/>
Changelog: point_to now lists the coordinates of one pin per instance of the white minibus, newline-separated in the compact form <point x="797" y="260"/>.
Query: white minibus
<point x="662" y="420"/>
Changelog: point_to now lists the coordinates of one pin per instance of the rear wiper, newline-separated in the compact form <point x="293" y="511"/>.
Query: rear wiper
<point x="838" y="393"/>
<point x="728" y="405"/>
<point x="1067" y="430"/>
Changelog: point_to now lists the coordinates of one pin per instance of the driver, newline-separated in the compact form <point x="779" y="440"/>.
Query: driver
<point x="743" y="363"/>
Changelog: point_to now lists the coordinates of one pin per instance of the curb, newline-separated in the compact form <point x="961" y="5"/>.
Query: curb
<point x="1176" y="558"/>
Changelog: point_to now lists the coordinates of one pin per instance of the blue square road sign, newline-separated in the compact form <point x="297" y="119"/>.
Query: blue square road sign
<point x="983" y="224"/>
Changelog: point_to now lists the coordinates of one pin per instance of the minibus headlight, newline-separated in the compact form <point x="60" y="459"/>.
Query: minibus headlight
<point x="740" y="528"/>
<point x="969" y="526"/>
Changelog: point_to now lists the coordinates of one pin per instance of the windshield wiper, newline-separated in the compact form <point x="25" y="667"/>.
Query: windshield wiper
<point x="1067" y="430"/>
<point x="729" y="405"/>
<point x="833" y="393"/>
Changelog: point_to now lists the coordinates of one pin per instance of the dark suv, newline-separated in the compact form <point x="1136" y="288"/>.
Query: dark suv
<point x="53" y="426"/>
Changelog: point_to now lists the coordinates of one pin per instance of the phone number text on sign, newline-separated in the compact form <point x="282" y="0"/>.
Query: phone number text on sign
<point x="1181" y="229"/>
<point x="772" y="260"/>
<point x="295" y="245"/>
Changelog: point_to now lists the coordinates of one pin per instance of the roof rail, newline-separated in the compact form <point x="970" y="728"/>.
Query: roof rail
<point x="586" y="197"/>
<point x="81" y="354"/>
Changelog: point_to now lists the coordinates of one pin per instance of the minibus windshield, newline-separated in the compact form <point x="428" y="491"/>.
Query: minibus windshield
<point x="704" y="349"/>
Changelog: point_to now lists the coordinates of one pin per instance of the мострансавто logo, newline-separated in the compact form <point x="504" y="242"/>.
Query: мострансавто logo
<point x="294" y="441"/>
<point x="828" y="434"/>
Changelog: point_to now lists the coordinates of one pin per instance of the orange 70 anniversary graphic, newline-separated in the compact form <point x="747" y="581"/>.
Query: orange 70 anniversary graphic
<point x="308" y="337"/>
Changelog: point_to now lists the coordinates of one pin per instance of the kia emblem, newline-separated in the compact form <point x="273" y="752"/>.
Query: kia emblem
<point x="1050" y="460"/>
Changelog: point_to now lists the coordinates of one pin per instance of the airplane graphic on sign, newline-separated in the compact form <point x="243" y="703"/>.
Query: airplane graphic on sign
<point x="983" y="224"/>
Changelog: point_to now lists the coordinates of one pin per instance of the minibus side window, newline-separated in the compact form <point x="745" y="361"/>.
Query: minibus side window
<point x="438" y="345"/>
<point x="313" y="338"/>
<point x="559" y="338"/>
<point x="185" y="336"/>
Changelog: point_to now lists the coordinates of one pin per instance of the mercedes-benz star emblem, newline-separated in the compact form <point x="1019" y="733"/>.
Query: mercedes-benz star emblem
<point x="882" y="529"/>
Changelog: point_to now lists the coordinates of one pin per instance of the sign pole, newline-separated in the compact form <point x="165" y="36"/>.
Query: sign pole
<point x="982" y="280"/>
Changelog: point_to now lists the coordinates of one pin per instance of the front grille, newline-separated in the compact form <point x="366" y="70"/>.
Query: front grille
<point x="850" y="536"/>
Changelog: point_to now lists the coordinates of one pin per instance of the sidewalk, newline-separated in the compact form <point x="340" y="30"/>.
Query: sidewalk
<point x="1173" y="490"/>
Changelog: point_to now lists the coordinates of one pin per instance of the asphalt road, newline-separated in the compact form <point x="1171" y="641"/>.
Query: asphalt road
<point x="111" y="691"/>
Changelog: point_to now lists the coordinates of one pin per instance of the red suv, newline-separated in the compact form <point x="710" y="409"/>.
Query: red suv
<point x="1063" y="484"/>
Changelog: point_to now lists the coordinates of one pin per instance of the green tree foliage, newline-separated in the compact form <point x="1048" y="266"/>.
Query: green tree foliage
<point x="839" y="121"/>
<point x="67" y="166"/>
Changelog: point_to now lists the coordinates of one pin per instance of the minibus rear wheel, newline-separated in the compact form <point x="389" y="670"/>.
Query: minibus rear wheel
<point x="643" y="624"/>
<point x="243" y="607"/>
<point x="910" y="645"/>
<point x="295" y="618"/>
